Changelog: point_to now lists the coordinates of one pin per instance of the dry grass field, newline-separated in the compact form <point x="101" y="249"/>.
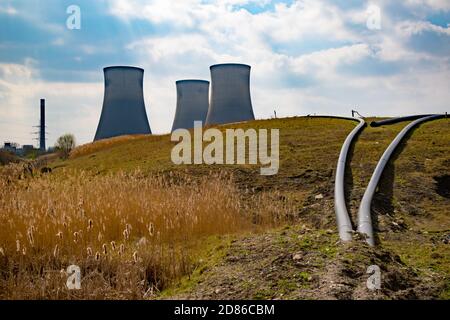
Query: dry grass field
<point x="131" y="234"/>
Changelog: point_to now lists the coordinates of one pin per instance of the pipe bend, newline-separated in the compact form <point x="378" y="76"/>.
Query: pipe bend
<point x="365" y="225"/>
<point x="397" y="120"/>
<point x="343" y="221"/>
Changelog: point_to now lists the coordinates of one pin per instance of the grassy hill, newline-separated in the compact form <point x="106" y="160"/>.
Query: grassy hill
<point x="299" y="256"/>
<point x="411" y="209"/>
<point x="7" y="157"/>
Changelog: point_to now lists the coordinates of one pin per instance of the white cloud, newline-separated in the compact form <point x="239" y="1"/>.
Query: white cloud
<point x="217" y="32"/>
<point x="411" y="28"/>
<point x="71" y="107"/>
<point x="9" y="10"/>
<point x="432" y="4"/>
<point x="161" y="48"/>
<point x="305" y="57"/>
<point x="180" y="13"/>
<point x="325" y="61"/>
<point x="58" y="42"/>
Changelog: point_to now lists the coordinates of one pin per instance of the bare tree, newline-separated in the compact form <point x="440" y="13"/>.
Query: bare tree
<point x="65" y="144"/>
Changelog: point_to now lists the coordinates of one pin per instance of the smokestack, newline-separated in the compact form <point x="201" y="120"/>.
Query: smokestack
<point x="123" y="111"/>
<point x="230" y="94"/>
<point x="192" y="103"/>
<point x="42" y="146"/>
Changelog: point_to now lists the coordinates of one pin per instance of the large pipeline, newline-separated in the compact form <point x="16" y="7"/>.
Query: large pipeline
<point x="343" y="221"/>
<point x="364" y="213"/>
<point x="330" y="117"/>
<point x="398" y="120"/>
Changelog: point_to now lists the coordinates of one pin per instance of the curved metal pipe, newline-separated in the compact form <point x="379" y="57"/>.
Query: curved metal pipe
<point x="364" y="213"/>
<point x="397" y="120"/>
<point x="343" y="221"/>
<point x="331" y="117"/>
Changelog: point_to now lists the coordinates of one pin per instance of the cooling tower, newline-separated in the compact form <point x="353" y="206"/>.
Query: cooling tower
<point x="192" y="103"/>
<point x="230" y="94"/>
<point x="123" y="110"/>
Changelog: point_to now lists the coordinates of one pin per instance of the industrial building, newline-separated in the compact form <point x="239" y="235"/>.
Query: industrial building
<point x="192" y="103"/>
<point x="15" y="148"/>
<point x="123" y="111"/>
<point x="230" y="94"/>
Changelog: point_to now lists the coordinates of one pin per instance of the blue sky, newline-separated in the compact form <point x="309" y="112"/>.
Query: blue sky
<point x="307" y="56"/>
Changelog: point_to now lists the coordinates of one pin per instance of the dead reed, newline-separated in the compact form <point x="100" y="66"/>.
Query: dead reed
<point x="131" y="234"/>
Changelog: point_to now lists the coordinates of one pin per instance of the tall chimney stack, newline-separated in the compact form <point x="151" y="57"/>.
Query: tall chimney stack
<point x="42" y="146"/>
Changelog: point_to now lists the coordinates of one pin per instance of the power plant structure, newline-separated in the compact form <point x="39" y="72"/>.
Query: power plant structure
<point x="230" y="94"/>
<point x="192" y="103"/>
<point x="123" y="111"/>
<point x="42" y="145"/>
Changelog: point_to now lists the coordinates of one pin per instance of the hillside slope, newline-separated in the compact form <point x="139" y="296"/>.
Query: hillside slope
<point x="305" y="259"/>
<point x="7" y="157"/>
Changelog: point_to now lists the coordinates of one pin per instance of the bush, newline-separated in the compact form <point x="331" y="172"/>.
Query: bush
<point x="65" y="144"/>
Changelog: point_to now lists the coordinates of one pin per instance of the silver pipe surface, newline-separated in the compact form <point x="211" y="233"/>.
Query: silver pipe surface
<point x="343" y="221"/>
<point x="364" y="214"/>
<point x="397" y="120"/>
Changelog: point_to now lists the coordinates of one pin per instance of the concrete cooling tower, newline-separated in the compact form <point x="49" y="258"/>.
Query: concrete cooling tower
<point x="230" y="94"/>
<point x="192" y="103"/>
<point x="123" y="110"/>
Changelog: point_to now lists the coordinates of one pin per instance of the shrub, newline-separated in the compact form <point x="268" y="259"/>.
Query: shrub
<point x="65" y="144"/>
